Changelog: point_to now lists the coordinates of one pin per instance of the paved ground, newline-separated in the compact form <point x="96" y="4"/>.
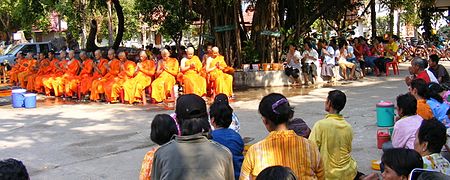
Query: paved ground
<point x="99" y="141"/>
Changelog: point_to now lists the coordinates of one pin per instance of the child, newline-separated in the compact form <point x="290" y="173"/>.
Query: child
<point x="221" y="117"/>
<point x="276" y="172"/>
<point x="333" y="136"/>
<point x="163" y="128"/>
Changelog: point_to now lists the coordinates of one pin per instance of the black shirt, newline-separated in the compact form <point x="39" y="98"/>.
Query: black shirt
<point x="440" y="71"/>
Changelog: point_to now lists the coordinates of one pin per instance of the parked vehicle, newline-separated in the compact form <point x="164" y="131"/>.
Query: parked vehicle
<point x="35" y="48"/>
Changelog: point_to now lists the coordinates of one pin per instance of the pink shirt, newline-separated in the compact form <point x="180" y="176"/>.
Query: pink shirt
<point x="405" y="132"/>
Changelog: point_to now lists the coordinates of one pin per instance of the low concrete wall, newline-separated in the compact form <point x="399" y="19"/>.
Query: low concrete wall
<point x="260" y="79"/>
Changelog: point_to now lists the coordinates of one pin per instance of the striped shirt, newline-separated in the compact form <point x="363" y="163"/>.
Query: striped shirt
<point x="283" y="148"/>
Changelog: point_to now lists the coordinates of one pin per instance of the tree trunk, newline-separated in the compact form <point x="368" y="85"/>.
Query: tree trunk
<point x="90" y="44"/>
<point x="373" y="18"/>
<point x="238" y="32"/>
<point x="399" y="23"/>
<point x="110" y="28"/>
<point x="121" y="25"/>
<point x="391" y="19"/>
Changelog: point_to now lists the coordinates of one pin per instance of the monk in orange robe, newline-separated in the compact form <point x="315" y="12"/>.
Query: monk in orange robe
<point x="85" y="74"/>
<point x="104" y="85"/>
<point x="30" y="65"/>
<point x="35" y="80"/>
<point x="55" y="81"/>
<point x="100" y="70"/>
<point x="193" y="82"/>
<point x="45" y="74"/>
<point x="215" y="66"/>
<point x="125" y="80"/>
<point x="54" y="63"/>
<point x="16" y="69"/>
<point x="70" y="77"/>
<point x="167" y="71"/>
<point x="144" y="74"/>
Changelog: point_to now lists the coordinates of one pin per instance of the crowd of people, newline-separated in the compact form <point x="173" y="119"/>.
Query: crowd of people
<point x="119" y="77"/>
<point x="349" y="59"/>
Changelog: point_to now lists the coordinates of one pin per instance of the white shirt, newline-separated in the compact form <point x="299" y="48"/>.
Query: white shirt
<point x="329" y="59"/>
<point x="312" y="52"/>
<point x="431" y="75"/>
<point x="292" y="58"/>
<point x="350" y="50"/>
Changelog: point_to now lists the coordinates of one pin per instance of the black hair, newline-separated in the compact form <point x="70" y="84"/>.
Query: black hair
<point x="433" y="132"/>
<point x="408" y="104"/>
<point x="323" y="41"/>
<point x="276" y="173"/>
<point x="309" y="44"/>
<point x="293" y="44"/>
<point x="433" y="91"/>
<point x="222" y="114"/>
<point x="421" y="86"/>
<point x="162" y="129"/>
<point x="434" y="58"/>
<point x="194" y="126"/>
<point x="402" y="161"/>
<point x="275" y="108"/>
<point x="337" y="100"/>
<point x="12" y="169"/>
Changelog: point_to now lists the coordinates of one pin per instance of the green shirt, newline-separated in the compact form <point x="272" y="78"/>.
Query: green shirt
<point x="333" y="136"/>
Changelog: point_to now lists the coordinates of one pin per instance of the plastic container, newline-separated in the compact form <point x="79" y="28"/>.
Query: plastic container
<point x="17" y="98"/>
<point x="30" y="100"/>
<point x="382" y="137"/>
<point x="376" y="165"/>
<point x="385" y="114"/>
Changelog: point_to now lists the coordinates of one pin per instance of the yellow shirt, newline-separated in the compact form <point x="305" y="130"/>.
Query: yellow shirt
<point x="424" y="110"/>
<point x="333" y="135"/>
<point x="284" y="148"/>
<point x="393" y="47"/>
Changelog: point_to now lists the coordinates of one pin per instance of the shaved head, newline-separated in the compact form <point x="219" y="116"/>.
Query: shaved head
<point x="215" y="49"/>
<point x="122" y="56"/>
<point x="98" y="54"/>
<point x="71" y="54"/>
<point x="165" y="54"/>
<point x="189" y="52"/>
<point x="143" y="55"/>
<point x="111" y="54"/>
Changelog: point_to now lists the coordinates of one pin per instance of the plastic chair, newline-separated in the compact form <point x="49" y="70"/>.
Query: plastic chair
<point x="394" y="65"/>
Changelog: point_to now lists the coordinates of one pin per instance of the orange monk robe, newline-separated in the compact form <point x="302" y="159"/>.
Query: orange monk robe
<point x="45" y="79"/>
<point x="106" y="81"/>
<point x="44" y="69"/>
<point x="223" y="83"/>
<point x="30" y="65"/>
<point x="125" y="82"/>
<point x="70" y="78"/>
<point x="143" y="78"/>
<point x="99" y="72"/>
<point x="55" y="82"/>
<point x="39" y="69"/>
<point x="193" y="82"/>
<point x="15" y="70"/>
<point x="85" y="77"/>
<point x="165" y="81"/>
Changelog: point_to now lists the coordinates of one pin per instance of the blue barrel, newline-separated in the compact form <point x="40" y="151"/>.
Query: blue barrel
<point x="17" y="97"/>
<point x="30" y="100"/>
<point x="385" y="114"/>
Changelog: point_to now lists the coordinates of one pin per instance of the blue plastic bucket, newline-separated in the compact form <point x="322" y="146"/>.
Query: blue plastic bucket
<point x="17" y="97"/>
<point x="385" y="114"/>
<point x="30" y="100"/>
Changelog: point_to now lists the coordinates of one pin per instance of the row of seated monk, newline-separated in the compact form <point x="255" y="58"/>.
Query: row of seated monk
<point x="111" y="79"/>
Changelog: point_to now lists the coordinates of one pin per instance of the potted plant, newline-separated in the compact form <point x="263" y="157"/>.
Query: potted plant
<point x="251" y="56"/>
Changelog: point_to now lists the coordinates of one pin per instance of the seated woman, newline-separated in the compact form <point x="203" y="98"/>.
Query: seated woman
<point x="344" y="63"/>
<point x="220" y="114"/>
<point x="437" y="104"/>
<point x="282" y="146"/>
<point x="430" y="139"/>
<point x="397" y="164"/>
<point x="406" y="127"/>
<point x="163" y="128"/>
<point x="419" y="90"/>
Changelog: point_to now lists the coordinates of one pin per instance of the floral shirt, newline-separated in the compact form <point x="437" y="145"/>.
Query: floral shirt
<point x="147" y="163"/>
<point x="437" y="163"/>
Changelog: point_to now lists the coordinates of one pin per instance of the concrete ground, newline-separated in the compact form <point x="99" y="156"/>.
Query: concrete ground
<point x="66" y="140"/>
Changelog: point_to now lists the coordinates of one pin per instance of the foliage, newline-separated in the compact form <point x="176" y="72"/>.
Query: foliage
<point x="249" y="52"/>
